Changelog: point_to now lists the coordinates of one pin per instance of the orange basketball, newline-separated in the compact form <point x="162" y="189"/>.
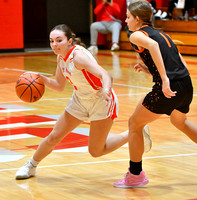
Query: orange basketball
<point x="30" y="87"/>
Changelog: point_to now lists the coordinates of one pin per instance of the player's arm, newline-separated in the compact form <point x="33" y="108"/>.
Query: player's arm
<point x="142" y="41"/>
<point x="82" y="61"/>
<point x="58" y="83"/>
<point x="183" y="60"/>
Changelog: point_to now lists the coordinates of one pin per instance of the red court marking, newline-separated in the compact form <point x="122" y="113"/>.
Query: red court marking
<point x="28" y="55"/>
<point x="39" y="132"/>
<point x="192" y="199"/>
<point x="72" y="140"/>
<point x="25" y="119"/>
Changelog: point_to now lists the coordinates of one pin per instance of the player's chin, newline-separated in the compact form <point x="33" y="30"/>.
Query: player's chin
<point x="130" y="28"/>
<point x="56" y="51"/>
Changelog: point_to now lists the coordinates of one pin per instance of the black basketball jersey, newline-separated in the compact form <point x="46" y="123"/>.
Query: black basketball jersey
<point x="174" y="67"/>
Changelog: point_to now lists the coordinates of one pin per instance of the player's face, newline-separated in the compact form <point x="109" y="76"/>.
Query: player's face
<point x="59" y="42"/>
<point x="131" y="21"/>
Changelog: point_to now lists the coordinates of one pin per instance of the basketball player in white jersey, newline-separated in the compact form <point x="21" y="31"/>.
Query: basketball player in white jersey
<point x="93" y="99"/>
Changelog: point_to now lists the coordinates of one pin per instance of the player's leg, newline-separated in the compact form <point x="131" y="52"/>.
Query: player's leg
<point x="101" y="142"/>
<point x="180" y="121"/>
<point x="136" y="177"/>
<point x="137" y="121"/>
<point x="64" y="125"/>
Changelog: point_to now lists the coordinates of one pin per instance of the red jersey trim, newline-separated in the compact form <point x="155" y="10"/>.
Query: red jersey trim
<point x="112" y="109"/>
<point x="68" y="54"/>
<point x="71" y="82"/>
<point x="141" y="50"/>
<point x="145" y="33"/>
<point x="68" y="72"/>
<point x="166" y="39"/>
<point x="92" y="80"/>
<point x="144" y="26"/>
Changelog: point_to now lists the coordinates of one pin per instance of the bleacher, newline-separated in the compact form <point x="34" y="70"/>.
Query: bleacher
<point x="183" y="32"/>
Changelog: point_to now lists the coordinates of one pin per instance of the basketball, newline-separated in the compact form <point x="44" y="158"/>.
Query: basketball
<point x="30" y="87"/>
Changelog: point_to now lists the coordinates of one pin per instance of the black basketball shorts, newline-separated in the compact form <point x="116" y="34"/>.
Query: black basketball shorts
<point x="156" y="102"/>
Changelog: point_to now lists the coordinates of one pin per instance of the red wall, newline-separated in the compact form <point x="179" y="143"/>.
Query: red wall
<point x="162" y="3"/>
<point x="11" y="24"/>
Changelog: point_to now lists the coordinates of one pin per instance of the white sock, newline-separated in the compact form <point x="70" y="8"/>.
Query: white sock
<point x="33" y="162"/>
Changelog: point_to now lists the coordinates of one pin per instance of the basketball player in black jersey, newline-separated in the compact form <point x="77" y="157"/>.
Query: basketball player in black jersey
<point x="171" y="94"/>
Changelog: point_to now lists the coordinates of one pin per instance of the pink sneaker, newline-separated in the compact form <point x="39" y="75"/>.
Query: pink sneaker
<point x="130" y="180"/>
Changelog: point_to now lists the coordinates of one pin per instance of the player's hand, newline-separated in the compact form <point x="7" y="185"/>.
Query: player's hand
<point x="141" y="68"/>
<point x="105" y="94"/>
<point x="168" y="93"/>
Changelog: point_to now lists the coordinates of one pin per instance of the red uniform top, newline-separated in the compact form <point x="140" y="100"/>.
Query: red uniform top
<point x="113" y="10"/>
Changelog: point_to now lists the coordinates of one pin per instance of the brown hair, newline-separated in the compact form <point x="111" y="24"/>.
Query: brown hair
<point x="69" y="34"/>
<point x="143" y="10"/>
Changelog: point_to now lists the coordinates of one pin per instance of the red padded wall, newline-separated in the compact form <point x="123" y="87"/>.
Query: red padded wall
<point x="11" y="24"/>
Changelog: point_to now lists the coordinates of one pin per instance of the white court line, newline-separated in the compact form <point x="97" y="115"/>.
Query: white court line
<point x="133" y="86"/>
<point x="22" y="70"/>
<point x="133" y="94"/>
<point x="106" y="161"/>
<point x="15" y="110"/>
<point x="18" y="125"/>
<point x="9" y="158"/>
<point x="66" y="98"/>
<point x="19" y="101"/>
<point x="15" y="137"/>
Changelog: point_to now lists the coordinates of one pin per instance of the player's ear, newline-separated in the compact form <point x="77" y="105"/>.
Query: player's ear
<point x="70" y="41"/>
<point x="137" y="18"/>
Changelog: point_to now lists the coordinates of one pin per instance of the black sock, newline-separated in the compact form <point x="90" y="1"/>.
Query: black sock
<point x="135" y="167"/>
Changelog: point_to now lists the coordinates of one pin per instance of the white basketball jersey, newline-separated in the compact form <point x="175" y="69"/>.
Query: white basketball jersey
<point x="86" y="85"/>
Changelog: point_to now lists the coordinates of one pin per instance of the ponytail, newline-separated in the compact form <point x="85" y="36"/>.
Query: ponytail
<point x="77" y="40"/>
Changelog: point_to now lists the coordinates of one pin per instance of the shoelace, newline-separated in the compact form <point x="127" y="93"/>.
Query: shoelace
<point x="29" y="163"/>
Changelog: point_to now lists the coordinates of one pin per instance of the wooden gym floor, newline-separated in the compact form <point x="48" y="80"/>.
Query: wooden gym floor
<point x="69" y="172"/>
